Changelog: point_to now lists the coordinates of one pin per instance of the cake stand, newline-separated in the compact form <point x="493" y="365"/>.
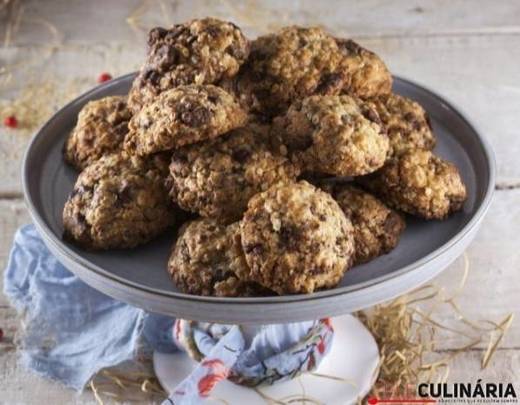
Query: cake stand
<point x="139" y="276"/>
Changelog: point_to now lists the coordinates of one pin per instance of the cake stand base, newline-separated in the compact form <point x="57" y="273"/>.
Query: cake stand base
<point x="344" y="376"/>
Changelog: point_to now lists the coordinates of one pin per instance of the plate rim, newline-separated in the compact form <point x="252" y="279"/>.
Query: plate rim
<point x="475" y="220"/>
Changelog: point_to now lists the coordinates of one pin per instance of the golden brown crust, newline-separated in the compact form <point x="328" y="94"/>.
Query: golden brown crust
<point x="377" y="228"/>
<point x="196" y="52"/>
<point x="182" y="116"/>
<point x="419" y="183"/>
<point x="296" y="239"/>
<point x="207" y="259"/>
<point x="407" y="124"/>
<point x="298" y="62"/>
<point x="100" y="130"/>
<point x="336" y="135"/>
<point x="217" y="178"/>
<point x="119" y="201"/>
<point x="367" y="75"/>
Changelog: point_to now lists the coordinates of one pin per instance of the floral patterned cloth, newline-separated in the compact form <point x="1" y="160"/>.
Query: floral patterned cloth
<point x="264" y="356"/>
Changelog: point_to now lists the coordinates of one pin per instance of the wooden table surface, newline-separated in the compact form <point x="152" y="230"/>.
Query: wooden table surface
<point x="468" y="51"/>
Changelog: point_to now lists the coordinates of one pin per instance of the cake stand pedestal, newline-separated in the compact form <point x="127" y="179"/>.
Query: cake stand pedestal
<point x="344" y="376"/>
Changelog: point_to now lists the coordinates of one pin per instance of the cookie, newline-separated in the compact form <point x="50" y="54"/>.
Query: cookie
<point x="197" y="52"/>
<point x="297" y="62"/>
<point x="336" y="135"/>
<point x="367" y="74"/>
<point x="217" y="178"/>
<point x="407" y="124"/>
<point x="100" y="130"/>
<point x="419" y="183"/>
<point x="119" y="201"/>
<point x="207" y="258"/>
<point x="296" y="239"/>
<point x="377" y="228"/>
<point x="182" y="116"/>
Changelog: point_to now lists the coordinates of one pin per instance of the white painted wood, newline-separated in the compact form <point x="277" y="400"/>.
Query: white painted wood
<point x="106" y="21"/>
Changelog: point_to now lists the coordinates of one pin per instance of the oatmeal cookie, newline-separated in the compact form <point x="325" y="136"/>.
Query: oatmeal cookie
<point x="367" y="75"/>
<point x="419" y="183"/>
<point x="407" y="124"/>
<point x="100" y="130"/>
<point x="289" y="65"/>
<point x="197" y="52"/>
<point x="207" y="259"/>
<point x="182" y="116"/>
<point x="298" y="62"/>
<point x="336" y="135"/>
<point x="119" y="201"/>
<point x="296" y="239"/>
<point x="217" y="178"/>
<point x="377" y="228"/>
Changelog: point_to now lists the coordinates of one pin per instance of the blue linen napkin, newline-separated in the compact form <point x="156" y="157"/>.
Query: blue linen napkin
<point x="72" y="331"/>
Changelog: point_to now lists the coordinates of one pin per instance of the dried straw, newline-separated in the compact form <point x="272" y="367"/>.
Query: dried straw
<point x="406" y="333"/>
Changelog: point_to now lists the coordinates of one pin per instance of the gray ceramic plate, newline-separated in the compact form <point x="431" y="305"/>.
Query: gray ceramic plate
<point x="139" y="276"/>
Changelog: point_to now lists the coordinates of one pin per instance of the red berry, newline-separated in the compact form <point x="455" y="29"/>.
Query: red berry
<point x="372" y="401"/>
<point x="11" y="121"/>
<point x="104" y="77"/>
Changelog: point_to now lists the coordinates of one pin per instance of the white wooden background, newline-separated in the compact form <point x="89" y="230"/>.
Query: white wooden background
<point x="468" y="51"/>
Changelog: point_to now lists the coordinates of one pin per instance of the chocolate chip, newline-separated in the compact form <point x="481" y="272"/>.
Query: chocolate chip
<point x="345" y="118"/>
<point x="289" y="237"/>
<point x="156" y="34"/>
<point x="121" y="129"/>
<point x="315" y="271"/>
<point x="152" y="77"/>
<point x="330" y="83"/>
<point x="213" y="30"/>
<point x="221" y="275"/>
<point x="412" y="120"/>
<point x="241" y="155"/>
<point x="80" y="190"/>
<point x="124" y="195"/>
<point x="165" y="57"/>
<point x="301" y="143"/>
<point x="256" y="249"/>
<point x="372" y="115"/>
<point x="194" y="117"/>
<point x="428" y="120"/>
<point x="88" y="141"/>
<point x="410" y="117"/>
<point x="236" y="51"/>
<point x="191" y="39"/>
<point x="179" y="157"/>
<point x="349" y="46"/>
<point x="392" y="223"/>
<point x="174" y="32"/>
<point x="214" y="98"/>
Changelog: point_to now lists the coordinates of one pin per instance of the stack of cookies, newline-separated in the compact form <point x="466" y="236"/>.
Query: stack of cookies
<point x="226" y="129"/>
